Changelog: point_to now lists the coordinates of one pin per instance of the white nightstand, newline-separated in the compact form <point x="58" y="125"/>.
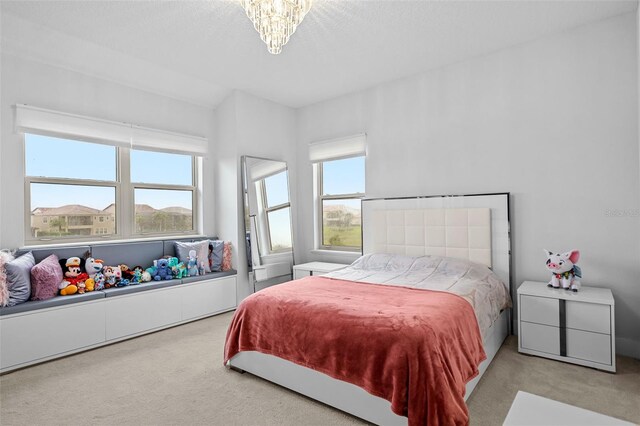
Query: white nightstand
<point x="567" y="326"/>
<point x="315" y="268"/>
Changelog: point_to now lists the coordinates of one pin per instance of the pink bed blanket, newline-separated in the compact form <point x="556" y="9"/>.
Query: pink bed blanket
<point x="415" y="348"/>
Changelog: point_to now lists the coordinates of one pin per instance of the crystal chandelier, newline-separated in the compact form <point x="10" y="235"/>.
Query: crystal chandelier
<point x="276" y="20"/>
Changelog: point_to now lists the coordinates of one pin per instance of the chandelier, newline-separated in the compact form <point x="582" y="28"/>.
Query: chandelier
<point x="276" y="20"/>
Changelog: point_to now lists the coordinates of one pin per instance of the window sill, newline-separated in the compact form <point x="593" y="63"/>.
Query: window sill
<point x="348" y="256"/>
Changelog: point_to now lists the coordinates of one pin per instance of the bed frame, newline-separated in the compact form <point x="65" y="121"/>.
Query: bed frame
<point x="396" y="217"/>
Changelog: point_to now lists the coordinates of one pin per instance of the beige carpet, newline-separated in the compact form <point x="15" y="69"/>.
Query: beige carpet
<point x="176" y="377"/>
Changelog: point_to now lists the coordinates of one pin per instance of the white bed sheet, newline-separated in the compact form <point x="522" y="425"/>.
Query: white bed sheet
<point x="474" y="282"/>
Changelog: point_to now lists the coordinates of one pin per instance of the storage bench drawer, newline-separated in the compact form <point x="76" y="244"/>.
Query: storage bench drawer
<point x="39" y="335"/>
<point x="208" y="297"/>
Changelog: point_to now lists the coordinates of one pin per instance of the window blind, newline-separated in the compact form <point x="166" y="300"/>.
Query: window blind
<point x="262" y="169"/>
<point x="335" y="149"/>
<point x="47" y="122"/>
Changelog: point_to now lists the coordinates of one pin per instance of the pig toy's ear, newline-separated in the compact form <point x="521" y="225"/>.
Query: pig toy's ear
<point x="574" y="256"/>
<point x="547" y="252"/>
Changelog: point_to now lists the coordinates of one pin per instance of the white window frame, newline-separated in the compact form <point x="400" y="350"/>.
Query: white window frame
<point x="320" y="203"/>
<point x="124" y="199"/>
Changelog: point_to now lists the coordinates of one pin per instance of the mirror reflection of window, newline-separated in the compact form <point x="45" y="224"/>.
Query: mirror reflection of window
<point x="277" y="208"/>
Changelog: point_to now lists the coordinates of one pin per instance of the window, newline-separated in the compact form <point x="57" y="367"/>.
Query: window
<point x="164" y="202"/>
<point x="341" y="186"/>
<point x="277" y="208"/>
<point x="78" y="189"/>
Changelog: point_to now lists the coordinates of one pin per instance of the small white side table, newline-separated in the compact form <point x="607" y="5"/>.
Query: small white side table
<point x="533" y="410"/>
<point x="567" y="326"/>
<point x="315" y="268"/>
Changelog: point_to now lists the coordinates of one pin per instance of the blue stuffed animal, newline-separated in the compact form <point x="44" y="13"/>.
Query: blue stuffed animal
<point x="192" y="265"/>
<point x="163" y="272"/>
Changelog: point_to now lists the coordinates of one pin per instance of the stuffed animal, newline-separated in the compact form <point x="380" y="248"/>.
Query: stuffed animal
<point x="180" y="271"/>
<point x="564" y="269"/>
<point x="137" y="275"/>
<point x="112" y="275"/>
<point x="99" y="280"/>
<point x="73" y="276"/>
<point x="90" y="284"/>
<point x="146" y="276"/>
<point x="127" y="273"/>
<point x="192" y="264"/>
<point x="123" y="282"/>
<point x="151" y="270"/>
<point x="93" y="266"/>
<point x="162" y="270"/>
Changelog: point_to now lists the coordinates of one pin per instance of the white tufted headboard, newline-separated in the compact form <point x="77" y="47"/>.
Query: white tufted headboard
<point x="463" y="233"/>
<point x="473" y="227"/>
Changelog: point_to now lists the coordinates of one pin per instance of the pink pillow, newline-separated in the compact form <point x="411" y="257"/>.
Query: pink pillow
<point x="5" y="257"/>
<point x="226" y="256"/>
<point x="46" y="276"/>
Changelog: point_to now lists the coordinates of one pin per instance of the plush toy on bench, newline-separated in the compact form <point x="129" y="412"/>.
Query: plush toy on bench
<point x="93" y="268"/>
<point x="180" y="271"/>
<point x="112" y="275"/>
<point x="192" y="265"/>
<point x="163" y="272"/>
<point x="74" y="276"/>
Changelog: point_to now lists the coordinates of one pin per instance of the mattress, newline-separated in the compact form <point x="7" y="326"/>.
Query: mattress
<point x="474" y="282"/>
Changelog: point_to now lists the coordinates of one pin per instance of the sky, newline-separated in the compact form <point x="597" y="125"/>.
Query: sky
<point x="62" y="158"/>
<point x="343" y="176"/>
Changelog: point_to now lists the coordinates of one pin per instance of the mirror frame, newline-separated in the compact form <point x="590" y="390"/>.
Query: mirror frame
<point x="247" y="217"/>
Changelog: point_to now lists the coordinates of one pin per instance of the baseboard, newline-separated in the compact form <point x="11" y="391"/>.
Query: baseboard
<point x="628" y="347"/>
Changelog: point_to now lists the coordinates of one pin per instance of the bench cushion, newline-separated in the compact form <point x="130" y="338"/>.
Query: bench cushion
<point x="33" y="305"/>
<point x="209" y="276"/>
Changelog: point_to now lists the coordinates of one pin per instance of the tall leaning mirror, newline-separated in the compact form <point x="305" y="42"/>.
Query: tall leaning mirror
<point x="267" y="221"/>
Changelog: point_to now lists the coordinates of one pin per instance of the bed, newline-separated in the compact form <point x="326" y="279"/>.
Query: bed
<point x="441" y="264"/>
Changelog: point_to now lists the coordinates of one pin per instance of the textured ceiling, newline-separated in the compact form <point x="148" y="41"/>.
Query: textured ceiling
<point x="201" y="50"/>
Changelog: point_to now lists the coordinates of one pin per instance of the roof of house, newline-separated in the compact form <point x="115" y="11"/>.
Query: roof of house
<point x="70" y="209"/>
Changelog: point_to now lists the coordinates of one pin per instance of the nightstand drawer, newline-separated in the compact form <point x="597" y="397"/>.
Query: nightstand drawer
<point x="540" y="310"/>
<point x="589" y="346"/>
<point x="541" y="338"/>
<point x="588" y="317"/>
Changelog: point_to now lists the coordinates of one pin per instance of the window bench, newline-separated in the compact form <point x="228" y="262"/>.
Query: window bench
<point x="37" y="331"/>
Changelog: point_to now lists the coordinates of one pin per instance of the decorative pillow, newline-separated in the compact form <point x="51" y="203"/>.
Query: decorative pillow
<point x="5" y="257"/>
<point x="46" y="277"/>
<point x="202" y="252"/>
<point x="216" y="249"/>
<point x="226" y="256"/>
<point x="19" y="278"/>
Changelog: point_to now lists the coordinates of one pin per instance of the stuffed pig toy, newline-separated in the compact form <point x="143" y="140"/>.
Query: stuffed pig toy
<point x="564" y="269"/>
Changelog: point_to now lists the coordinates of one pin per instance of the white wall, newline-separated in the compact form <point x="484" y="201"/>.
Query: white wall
<point x="554" y="122"/>
<point x="29" y="82"/>
<point x="248" y="126"/>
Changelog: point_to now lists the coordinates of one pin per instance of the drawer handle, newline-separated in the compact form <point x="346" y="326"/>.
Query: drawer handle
<point x="563" y="326"/>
